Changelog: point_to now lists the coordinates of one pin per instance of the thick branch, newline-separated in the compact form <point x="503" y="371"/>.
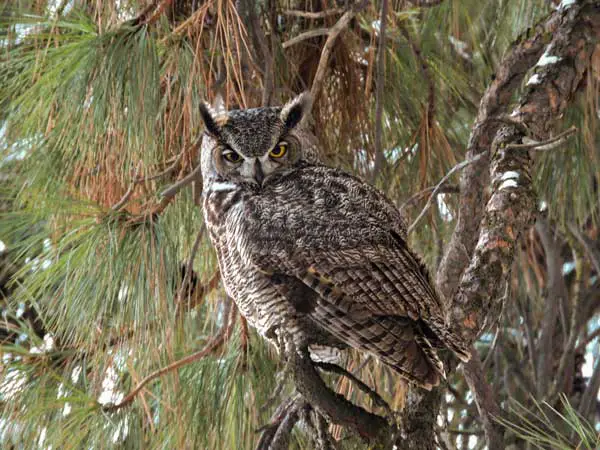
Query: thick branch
<point x="370" y="427"/>
<point x="511" y="207"/>
<point x="556" y="293"/>
<point x="486" y="231"/>
<point x="474" y="179"/>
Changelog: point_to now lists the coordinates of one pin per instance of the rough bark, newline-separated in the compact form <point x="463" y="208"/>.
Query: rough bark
<point x="486" y="233"/>
<point x="511" y="207"/>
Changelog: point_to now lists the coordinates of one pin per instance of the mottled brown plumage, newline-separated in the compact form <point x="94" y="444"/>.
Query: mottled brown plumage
<point x="313" y="252"/>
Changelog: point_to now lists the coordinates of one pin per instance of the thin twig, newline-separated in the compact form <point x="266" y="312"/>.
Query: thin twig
<point x="311" y="14"/>
<point x="144" y="17"/>
<point x="490" y="353"/>
<point x="139" y="180"/>
<point x="117" y="206"/>
<point x="329" y="367"/>
<point x="215" y="342"/>
<point x="584" y="342"/>
<point x="172" y="190"/>
<point x="437" y="188"/>
<point x="426" y="3"/>
<point x="190" y="263"/>
<point x="306" y="35"/>
<point x="588" y="245"/>
<point x="158" y="11"/>
<point x="165" y="172"/>
<point x="445" y="189"/>
<point x="328" y="47"/>
<point x="549" y="144"/>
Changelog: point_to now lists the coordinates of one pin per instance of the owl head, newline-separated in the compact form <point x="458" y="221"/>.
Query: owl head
<point x="251" y="147"/>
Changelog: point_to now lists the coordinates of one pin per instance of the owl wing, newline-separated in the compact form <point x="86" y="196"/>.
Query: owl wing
<point x="344" y="240"/>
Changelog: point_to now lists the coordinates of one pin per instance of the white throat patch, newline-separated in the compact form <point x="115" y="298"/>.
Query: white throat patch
<point x="221" y="186"/>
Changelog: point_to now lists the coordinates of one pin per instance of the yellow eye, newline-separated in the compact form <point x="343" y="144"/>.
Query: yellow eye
<point x="231" y="156"/>
<point x="279" y="151"/>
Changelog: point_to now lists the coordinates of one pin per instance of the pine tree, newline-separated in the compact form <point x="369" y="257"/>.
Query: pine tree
<point x="478" y="118"/>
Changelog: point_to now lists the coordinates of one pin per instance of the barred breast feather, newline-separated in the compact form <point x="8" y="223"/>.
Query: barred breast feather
<point x="333" y="249"/>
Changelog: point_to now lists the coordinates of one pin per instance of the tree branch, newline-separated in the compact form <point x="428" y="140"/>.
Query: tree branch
<point x="486" y="232"/>
<point x="439" y="186"/>
<point x="213" y="344"/>
<point x="494" y="103"/>
<point x="309" y="384"/>
<point x="512" y="204"/>
<point x="328" y="47"/>
<point x="311" y="14"/>
<point x="377" y="400"/>
<point x="306" y="35"/>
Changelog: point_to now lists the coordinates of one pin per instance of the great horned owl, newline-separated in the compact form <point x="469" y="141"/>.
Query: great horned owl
<point x="313" y="252"/>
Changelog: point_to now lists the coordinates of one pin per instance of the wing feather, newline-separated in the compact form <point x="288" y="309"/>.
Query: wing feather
<point x="350" y="247"/>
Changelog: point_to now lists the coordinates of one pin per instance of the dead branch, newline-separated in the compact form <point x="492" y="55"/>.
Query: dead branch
<point x="549" y="144"/>
<point x="117" y="206"/>
<point x="426" y="3"/>
<point x="443" y="189"/>
<point x="174" y="189"/>
<point x="377" y="400"/>
<point x="311" y="14"/>
<point x="328" y="47"/>
<point x="145" y="18"/>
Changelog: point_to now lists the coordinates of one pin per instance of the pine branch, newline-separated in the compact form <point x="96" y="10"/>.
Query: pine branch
<point x="306" y="35"/>
<point x="309" y="384"/>
<point x="494" y="105"/>
<point x="512" y="205"/>
<point x="216" y="342"/>
<point x="439" y="186"/>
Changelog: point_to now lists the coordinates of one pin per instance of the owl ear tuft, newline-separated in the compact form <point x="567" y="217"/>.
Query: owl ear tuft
<point x="296" y="109"/>
<point x="209" y="118"/>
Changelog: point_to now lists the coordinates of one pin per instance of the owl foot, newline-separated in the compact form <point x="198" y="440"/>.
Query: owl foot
<point x="276" y="434"/>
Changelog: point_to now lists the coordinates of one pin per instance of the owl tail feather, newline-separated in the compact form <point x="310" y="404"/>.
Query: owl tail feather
<point x="449" y="339"/>
<point x="412" y="356"/>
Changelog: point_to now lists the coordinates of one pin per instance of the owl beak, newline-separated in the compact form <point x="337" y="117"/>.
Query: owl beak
<point x="259" y="175"/>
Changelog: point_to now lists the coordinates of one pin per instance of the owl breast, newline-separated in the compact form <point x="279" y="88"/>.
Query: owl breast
<point x="258" y="295"/>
